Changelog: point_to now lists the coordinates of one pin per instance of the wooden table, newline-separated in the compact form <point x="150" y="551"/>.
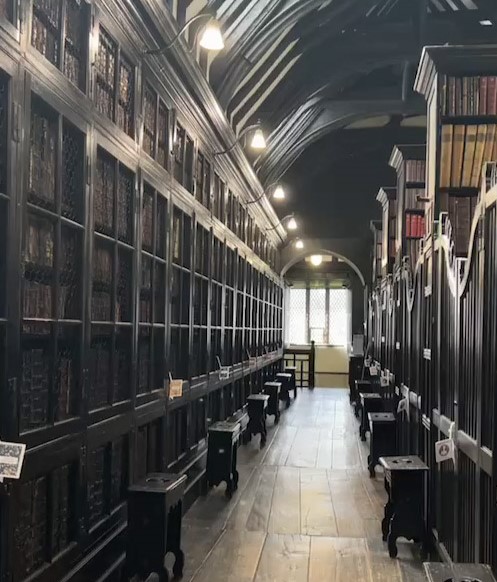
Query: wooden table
<point x="383" y="438"/>
<point x="222" y="455"/>
<point x="405" y="484"/>
<point x="257" y="406"/>
<point x="155" y="509"/>
<point x="369" y="403"/>
<point x="272" y="389"/>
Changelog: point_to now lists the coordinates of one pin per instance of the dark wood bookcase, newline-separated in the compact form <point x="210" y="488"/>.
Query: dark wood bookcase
<point x="387" y="197"/>
<point x="124" y="256"/>
<point x="376" y="253"/>
<point x="409" y="161"/>
<point x="460" y="86"/>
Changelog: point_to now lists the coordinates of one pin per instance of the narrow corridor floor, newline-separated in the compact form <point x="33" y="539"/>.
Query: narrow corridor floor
<point x="305" y="511"/>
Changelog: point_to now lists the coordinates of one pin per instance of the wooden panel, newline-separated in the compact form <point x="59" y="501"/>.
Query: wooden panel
<point x="284" y="557"/>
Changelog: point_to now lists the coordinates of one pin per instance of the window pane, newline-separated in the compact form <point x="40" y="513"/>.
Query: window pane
<point x="317" y="315"/>
<point x="340" y="317"/>
<point x="296" y="319"/>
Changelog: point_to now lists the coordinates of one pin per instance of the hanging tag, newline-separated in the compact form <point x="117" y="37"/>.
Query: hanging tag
<point x="384" y="381"/>
<point x="444" y="450"/>
<point x="11" y="460"/>
<point x="402" y="406"/>
<point x="373" y="371"/>
<point x="175" y="388"/>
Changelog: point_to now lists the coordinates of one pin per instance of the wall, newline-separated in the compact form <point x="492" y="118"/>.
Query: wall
<point x="331" y="367"/>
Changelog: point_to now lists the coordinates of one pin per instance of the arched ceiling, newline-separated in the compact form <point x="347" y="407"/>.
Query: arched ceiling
<point x="306" y="68"/>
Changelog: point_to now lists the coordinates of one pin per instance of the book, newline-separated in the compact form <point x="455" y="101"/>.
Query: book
<point x="492" y="96"/>
<point x="469" y="154"/>
<point x="457" y="156"/>
<point x="479" y="152"/>
<point x="482" y="105"/>
<point x="445" y="159"/>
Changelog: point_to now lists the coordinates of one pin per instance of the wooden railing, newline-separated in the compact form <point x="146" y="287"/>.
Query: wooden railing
<point x="303" y="358"/>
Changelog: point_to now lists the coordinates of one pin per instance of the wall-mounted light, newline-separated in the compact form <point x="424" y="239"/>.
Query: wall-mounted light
<point x="316" y="260"/>
<point x="290" y="225"/>
<point x="299" y="243"/>
<point x="210" y="38"/>
<point x="258" y="141"/>
<point x="278" y="193"/>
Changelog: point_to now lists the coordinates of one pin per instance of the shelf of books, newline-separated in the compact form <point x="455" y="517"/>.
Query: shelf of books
<point x="409" y="161"/>
<point x="387" y="197"/>
<point x="460" y="86"/>
<point x="375" y="226"/>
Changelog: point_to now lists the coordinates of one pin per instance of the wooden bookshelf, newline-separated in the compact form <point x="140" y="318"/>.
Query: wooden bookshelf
<point x="409" y="161"/>
<point x="460" y="86"/>
<point x="376" y="258"/>
<point x="387" y="197"/>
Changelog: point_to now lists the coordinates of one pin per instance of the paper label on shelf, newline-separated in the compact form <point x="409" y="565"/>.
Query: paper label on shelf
<point x="224" y="372"/>
<point x="11" y="460"/>
<point x="175" y="388"/>
<point x="403" y="405"/>
<point x="445" y="450"/>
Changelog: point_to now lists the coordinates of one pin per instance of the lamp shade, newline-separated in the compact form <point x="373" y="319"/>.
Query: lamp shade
<point x="258" y="140"/>
<point x="299" y="244"/>
<point x="292" y="224"/>
<point x="279" y="193"/>
<point x="211" y="38"/>
<point x="316" y="260"/>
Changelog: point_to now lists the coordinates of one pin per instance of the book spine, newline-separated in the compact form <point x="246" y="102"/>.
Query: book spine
<point x="492" y="96"/>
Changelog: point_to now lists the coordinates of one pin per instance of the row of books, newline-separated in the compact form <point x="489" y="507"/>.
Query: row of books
<point x="414" y="198"/>
<point x="415" y="225"/>
<point x="38" y="300"/>
<point x="415" y="170"/>
<point x="469" y="95"/>
<point x="461" y="210"/>
<point x="40" y="243"/>
<point x="465" y="148"/>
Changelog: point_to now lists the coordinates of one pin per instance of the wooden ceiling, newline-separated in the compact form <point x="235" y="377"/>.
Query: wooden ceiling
<point x="308" y="67"/>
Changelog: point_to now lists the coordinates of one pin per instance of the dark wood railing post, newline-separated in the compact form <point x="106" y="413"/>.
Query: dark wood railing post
<point x="312" y="361"/>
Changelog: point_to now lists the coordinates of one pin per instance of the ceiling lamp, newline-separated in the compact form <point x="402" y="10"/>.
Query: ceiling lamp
<point x="292" y="224"/>
<point x="211" y="38"/>
<point x="316" y="260"/>
<point x="258" y="140"/>
<point x="279" y="193"/>
<point x="299" y="243"/>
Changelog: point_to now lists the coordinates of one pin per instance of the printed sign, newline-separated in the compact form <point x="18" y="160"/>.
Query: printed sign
<point x="175" y="388"/>
<point x="224" y="372"/>
<point x="444" y="450"/>
<point x="11" y="459"/>
<point x="403" y="405"/>
<point x="384" y="381"/>
<point x="373" y="371"/>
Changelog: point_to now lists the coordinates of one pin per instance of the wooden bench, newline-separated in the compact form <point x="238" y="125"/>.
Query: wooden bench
<point x="292" y="370"/>
<point x="369" y="403"/>
<point x="222" y="455"/>
<point x="272" y="389"/>
<point x="383" y="438"/>
<point x="285" y="380"/>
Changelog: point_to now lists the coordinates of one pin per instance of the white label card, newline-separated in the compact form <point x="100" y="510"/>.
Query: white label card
<point x="224" y="372"/>
<point x="445" y="450"/>
<point x="175" y="388"/>
<point x="384" y="381"/>
<point x="252" y="361"/>
<point x="402" y="405"/>
<point x="11" y="460"/>
<point x="373" y="370"/>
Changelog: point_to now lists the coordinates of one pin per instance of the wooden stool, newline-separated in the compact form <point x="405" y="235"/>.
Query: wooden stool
<point x="369" y="403"/>
<point x="383" y="438"/>
<point x="285" y="380"/>
<point x="437" y="572"/>
<point x="272" y="389"/>
<point x="292" y="370"/>
<point x="222" y="455"/>
<point x="257" y="405"/>
<point x="154" y="525"/>
<point x="404" y="483"/>
<point x="360" y="386"/>
<point x="242" y="417"/>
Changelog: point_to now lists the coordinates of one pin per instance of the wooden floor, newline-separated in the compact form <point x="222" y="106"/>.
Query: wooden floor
<point x="305" y="511"/>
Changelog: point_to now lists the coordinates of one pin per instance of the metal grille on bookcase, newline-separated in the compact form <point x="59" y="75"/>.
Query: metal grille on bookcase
<point x="163" y="135"/>
<point x="149" y="120"/>
<point x="75" y="42"/>
<point x="72" y="173"/>
<point x="125" y="101"/>
<point x="105" y="66"/>
<point x="144" y="348"/>
<point x="45" y="28"/>
<point x="100" y="366"/>
<point x="122" y="366"/>
<point x="96" y="486"/>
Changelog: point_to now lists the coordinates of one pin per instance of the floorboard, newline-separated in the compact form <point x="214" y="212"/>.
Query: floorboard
<point x="305" y="511"/>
